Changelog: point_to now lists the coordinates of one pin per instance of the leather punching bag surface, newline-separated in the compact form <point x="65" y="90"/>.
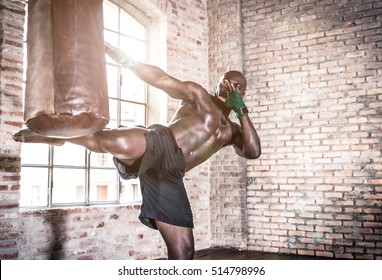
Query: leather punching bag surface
<point x="66" y="91"/>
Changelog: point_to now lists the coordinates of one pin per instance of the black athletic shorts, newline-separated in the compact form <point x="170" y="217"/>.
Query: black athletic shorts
<point x="161" y="172"/>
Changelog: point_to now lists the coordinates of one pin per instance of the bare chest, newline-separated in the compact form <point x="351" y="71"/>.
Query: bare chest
<point x="200" y="132"/>
<point x="204" y="140"/>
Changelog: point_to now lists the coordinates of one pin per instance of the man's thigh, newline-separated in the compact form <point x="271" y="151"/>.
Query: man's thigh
<point x="126" y="144"/>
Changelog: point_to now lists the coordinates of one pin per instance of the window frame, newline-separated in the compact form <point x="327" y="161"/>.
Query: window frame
<point x="50" y="166"/>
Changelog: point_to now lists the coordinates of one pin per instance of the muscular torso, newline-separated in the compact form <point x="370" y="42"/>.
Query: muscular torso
<point x="199" y="130"/>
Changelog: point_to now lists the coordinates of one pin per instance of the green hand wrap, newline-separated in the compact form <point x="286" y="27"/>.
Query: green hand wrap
<point x="236" y="103"/>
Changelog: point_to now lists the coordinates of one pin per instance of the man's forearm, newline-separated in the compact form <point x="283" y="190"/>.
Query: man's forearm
<point x="150" y="74"/>
<point x="251" y="141"/>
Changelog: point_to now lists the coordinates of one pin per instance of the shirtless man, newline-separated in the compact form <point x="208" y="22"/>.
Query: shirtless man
<point x="160" y="155"/>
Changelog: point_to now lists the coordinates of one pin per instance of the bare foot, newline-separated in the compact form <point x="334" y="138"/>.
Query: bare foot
<point x="29" y="136"/>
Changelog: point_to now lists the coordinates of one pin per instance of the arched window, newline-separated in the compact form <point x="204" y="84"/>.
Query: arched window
<point x="71" y="175"/>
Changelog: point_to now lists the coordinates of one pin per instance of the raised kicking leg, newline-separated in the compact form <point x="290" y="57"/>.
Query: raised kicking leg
<point x="179" y="241"/>
<point x="127" y="144"/>
<point x="29" y="136"/>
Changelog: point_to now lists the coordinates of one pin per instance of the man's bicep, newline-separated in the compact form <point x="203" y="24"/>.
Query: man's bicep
<point x="181" y="90"/>
<point x="157" y="78"/>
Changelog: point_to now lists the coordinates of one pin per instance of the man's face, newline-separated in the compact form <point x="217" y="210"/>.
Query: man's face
<point x="228" y="83"/>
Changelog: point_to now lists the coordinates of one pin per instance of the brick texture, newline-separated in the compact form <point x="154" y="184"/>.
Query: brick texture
<point x="187" y="55"/>
<point x="228" y="181"/>
<point x="314" y="70"/>
<point x="11" y="69"/>
<point x="110" y="233"/>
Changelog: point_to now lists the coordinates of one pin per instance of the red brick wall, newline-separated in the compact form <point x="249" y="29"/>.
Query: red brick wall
<point x="314" y="70"/>
<point x="11" y="56"/>
<point x="109" y="233"/>
<point x="227" y="170"/>
<point x="187" y="56"/>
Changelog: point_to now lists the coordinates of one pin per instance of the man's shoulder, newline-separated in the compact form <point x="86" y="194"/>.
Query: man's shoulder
<point x="199" y="94"/>
<point x="196" y="88"/>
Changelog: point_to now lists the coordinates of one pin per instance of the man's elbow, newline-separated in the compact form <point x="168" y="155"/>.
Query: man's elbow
<point x="253" y="154"/>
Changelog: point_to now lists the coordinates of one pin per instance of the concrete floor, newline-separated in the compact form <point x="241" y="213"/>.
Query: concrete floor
<point x="233" y="254"/>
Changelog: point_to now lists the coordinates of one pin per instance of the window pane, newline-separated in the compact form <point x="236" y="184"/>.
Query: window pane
<point x="134" y="48"/>
<point x="130" y="191"/>
<point x="111" y="38"/>
<point x="103" y="185"/>
<point x="34" y="182"/>
<point x="69" y="154"/>
<point x="101" y="160"/>
<point x="132" y="89"/>
<point x="132" y="114"/>
<point x="35" y="153"/>
<point x="110" y="15"/>
<point x="113" y="113"/>
<point x="70" y="167"/>
<point x="69" y="185"/>
<point x="112" y="80"/>
<point x="130" y="26"/>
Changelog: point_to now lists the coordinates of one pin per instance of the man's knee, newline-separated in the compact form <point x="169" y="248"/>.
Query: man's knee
<point x="179" y="241"/>
<point x="190" y="252"/>
<point x="181" y="251"/>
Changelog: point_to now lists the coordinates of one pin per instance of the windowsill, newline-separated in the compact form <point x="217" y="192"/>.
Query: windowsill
<point x="69" y="208"/>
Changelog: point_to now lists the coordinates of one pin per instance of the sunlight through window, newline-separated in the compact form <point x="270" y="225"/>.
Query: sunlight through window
<point x="72" y="175"/>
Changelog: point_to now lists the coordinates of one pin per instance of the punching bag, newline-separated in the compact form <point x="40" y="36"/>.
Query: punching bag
<point x="66" y="90"/>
